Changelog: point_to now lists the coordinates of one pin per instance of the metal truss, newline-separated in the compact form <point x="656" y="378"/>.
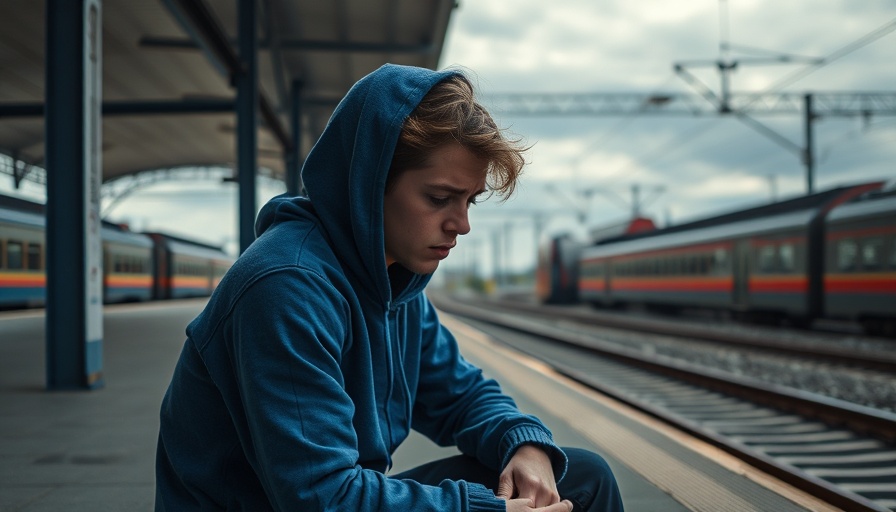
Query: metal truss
<point x="677" y="104"/>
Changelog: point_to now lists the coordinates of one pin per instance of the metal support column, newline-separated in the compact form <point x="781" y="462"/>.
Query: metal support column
<point x="74" y="321"/>
<point x="809" y="151"/>
<point x="294" y="185"/>
<point x="247" y="121"/>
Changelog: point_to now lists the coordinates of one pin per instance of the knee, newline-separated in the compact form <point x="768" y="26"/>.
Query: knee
<point x="588" y="464"/>
<point x="589" y="482"/>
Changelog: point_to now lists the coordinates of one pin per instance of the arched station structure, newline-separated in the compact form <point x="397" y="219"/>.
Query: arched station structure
<point x="92" y="90"/>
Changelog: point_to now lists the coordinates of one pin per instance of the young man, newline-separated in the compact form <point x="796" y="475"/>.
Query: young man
<point x="318" y="351"/>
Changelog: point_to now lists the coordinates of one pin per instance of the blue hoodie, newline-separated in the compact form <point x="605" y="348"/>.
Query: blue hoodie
<point x="312" y="361"/>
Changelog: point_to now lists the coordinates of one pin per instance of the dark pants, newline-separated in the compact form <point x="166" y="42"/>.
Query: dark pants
<point x="589" y="483"/>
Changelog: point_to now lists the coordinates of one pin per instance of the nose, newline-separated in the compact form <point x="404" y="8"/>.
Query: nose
<point x="458" y="222"/>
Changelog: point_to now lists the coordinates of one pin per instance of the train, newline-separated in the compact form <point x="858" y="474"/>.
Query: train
<point x="137" y="267"/>
<point x="827" y="255"/>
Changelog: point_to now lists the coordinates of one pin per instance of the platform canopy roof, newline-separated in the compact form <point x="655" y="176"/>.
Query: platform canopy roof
<point x="161" y="56"/>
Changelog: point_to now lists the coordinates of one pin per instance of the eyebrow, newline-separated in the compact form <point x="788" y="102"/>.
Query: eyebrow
<point x="455" y="190"/>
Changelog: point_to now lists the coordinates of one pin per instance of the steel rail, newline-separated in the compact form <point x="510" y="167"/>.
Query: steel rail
<point x="885" y="362"/>
<point x="834" y="412"/>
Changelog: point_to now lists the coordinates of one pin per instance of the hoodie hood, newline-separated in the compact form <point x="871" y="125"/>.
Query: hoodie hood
<point x="345" y="172"/>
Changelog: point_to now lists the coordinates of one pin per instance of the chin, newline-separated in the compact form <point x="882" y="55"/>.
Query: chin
<point x="423" y="268"/>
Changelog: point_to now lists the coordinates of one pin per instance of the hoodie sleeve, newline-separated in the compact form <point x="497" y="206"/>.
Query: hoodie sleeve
<point x="295" y="421"/>
<point x="456" y="405"/>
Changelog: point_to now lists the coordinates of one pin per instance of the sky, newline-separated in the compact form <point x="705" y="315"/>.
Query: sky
<point x="684" y="168"/>
<point x="582" y="169"/>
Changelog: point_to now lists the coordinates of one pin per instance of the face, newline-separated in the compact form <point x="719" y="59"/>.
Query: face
<point x="426" y="208"/>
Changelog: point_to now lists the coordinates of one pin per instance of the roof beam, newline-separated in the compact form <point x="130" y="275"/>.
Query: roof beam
<point x="198" y="19"/>
<point x="127" y="108"/>
<point x="309" y="45"/>
<point x="155" y="107"/>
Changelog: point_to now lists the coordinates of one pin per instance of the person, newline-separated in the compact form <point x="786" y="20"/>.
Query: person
<point x="318" y="351"/>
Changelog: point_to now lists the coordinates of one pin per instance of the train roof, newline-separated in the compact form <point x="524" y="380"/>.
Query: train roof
<point x="881" y="204"/>
<point x="20" y="205"/>
<point x="812" y="202"/>
<point x="185" y="246"/>
<point x="22" y="218"/>
<point x="621" y="229"/>
<point x="33" y="213"/>
<point x="706" y="234"/>
<point x="114" y="233"/>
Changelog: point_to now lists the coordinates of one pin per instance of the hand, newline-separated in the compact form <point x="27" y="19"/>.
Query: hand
<point x="521" y="505"/>
<point x="529" y="478"/>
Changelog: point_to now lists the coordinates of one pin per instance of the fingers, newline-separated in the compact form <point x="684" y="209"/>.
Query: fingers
<point x="505" y="487"/>
<point x="526" y="505"/>
<point x="563" y="506"/>
<point x="541" y="493"/>
<point x="530" y="486"/>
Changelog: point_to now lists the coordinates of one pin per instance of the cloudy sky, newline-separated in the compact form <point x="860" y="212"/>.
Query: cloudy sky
<point x="585" y="167"/>
<point x="684" y="167"/>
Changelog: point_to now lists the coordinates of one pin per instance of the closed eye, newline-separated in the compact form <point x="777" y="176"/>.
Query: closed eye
<point x="439" y="201"/>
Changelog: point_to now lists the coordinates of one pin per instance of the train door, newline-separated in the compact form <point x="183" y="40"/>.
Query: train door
<point x="741" y="269"/>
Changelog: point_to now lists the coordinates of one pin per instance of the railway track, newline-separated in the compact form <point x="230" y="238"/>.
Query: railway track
<point x="838" y="451"/>
<point x="760" y="339"/>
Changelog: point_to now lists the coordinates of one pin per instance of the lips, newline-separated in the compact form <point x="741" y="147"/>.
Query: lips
<point x="441" y="251"/>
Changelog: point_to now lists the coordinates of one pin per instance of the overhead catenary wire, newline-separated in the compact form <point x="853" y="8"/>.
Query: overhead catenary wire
<point x="865" y="40"/>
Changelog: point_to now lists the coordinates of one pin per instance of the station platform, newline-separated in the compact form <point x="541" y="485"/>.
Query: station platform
<point x="95" y="450"/>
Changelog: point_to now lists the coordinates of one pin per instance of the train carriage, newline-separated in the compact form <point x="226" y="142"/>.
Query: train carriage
<point x="860" y="268"/>
<point x="127" y="265"/>
<point x="184" y="268"/>
<point x="557" y="276"/>
<point x="753" y="265"/>
<point x="769" y="262"/>
<point x="136" y="266"/>
<point x="22" y="275"/>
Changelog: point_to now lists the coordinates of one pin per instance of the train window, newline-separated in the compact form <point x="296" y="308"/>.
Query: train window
<point x="14" y="259"/>
<point x="766" y="259"/>
<point x="33" y="260"/>
<point x="872" y="253"/>
<point x="787" y="257"/>
<point x="846" y="255"/>
<point x="720" y="258"/>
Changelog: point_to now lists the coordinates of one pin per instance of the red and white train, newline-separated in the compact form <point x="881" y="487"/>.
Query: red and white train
<point x="826" y="255"/>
